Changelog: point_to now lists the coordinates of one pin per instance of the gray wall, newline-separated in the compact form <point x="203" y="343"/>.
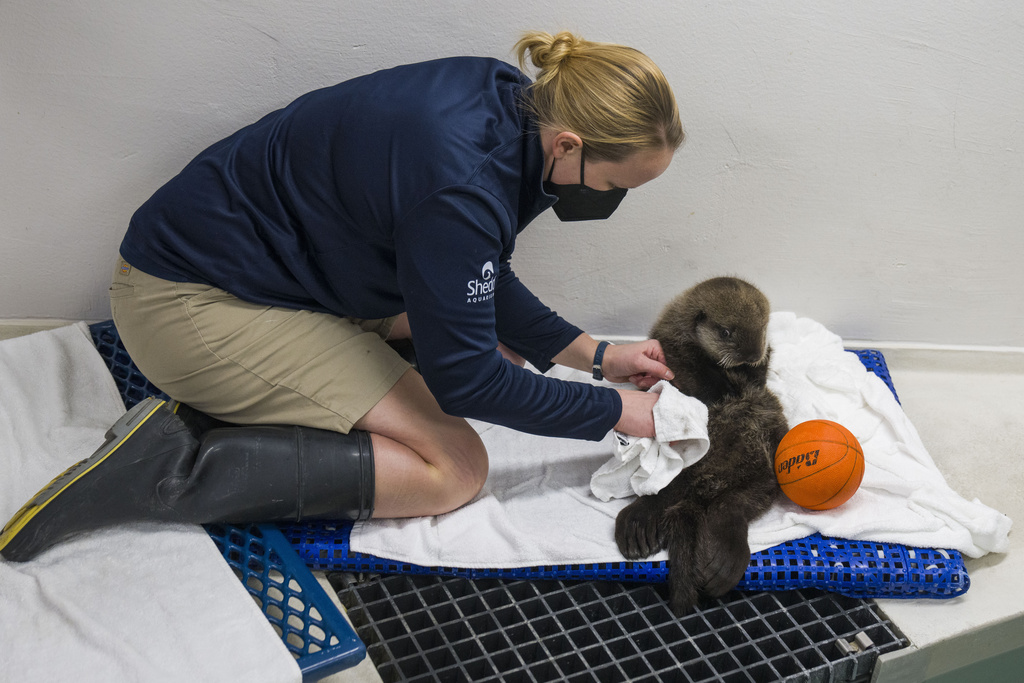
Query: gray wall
<point x="861" y="162"/>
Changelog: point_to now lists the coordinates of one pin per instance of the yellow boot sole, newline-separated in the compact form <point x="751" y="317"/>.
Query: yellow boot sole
<point x="120" y="432"/>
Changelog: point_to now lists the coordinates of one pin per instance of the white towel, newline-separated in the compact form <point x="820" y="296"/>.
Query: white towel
<point x="903" y="497"/>
<point x="643" y="466"/>
<point x="536" y="507"/>
<point x="132" y="603"/>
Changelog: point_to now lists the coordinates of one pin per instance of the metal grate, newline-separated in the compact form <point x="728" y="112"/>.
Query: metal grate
<point x="431" y="628"/>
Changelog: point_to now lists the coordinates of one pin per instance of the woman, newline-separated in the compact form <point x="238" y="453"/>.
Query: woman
<point x="261" y="285"/>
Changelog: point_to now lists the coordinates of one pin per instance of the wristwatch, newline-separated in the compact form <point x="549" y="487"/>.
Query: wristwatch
<point x="598" y="359"/>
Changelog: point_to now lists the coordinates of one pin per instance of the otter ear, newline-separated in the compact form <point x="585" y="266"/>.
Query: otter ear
<point x="700" y="317"/>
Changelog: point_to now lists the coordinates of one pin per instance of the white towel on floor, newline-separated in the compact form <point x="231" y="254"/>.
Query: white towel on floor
<point x="131" y="603"/>
<point x="536" y="507"/>
<point x="643" y="466"/>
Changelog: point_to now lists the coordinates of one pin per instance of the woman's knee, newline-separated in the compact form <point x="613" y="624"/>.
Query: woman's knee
<point x="428" y="462"/>
<point x="467" y="466"/>
<point x="455" y="470"/>
<point x="428" y="475"/>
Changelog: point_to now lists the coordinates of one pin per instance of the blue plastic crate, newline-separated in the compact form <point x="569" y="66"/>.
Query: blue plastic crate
<point x="297" y="607"/>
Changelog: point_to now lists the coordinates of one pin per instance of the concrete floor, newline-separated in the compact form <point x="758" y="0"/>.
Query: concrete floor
<point x="969" y="410"/>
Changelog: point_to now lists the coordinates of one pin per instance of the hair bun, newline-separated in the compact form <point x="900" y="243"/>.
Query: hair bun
<point x="612" y="96"/>
<point x="548" y="51"/>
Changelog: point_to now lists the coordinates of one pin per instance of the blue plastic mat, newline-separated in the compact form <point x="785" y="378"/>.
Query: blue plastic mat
<point x="297" y="607"/>
<point x="859" y="569"/>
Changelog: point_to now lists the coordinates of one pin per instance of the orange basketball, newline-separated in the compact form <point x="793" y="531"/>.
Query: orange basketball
<point x="819" y="464"/>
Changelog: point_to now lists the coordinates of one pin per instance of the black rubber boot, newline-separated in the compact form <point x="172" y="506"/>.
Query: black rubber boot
<point x="152" y="468"/>
<point x="270" y="473"/>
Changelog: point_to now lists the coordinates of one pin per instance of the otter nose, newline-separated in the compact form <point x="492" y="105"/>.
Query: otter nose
<point x="753" y="351"/>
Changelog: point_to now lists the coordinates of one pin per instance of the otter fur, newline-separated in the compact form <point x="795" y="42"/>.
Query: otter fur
<point x="714" y="337"/>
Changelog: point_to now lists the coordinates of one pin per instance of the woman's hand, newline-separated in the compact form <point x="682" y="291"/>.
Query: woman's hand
<point x="637" y="417"/>
<point x="642" y="363"/>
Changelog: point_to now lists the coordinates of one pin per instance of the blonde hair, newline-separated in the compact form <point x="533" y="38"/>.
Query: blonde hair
<point x="614" y="97"/>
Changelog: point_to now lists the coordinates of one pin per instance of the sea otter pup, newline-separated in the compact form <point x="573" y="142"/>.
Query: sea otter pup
<point x="714" y="338"/>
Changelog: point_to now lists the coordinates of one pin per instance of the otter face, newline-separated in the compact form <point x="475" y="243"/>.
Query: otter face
<point x="732" y="343"/>
<point x="731" y="323"/>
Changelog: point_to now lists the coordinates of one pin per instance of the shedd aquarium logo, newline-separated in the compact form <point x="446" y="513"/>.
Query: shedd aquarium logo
<point x="481" y="289"/>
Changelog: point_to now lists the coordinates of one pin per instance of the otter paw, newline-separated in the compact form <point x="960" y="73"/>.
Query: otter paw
<point x="683" y="597"/>
<point x="724" y="557"/>
<point x="683" y="579"/>
<point x="638" y="528"/>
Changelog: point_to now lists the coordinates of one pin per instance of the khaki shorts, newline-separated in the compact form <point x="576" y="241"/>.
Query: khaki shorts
<point x="250" y="363"/>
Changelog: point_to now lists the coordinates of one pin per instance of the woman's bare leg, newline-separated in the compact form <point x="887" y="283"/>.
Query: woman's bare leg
<point x="426" y="462"/>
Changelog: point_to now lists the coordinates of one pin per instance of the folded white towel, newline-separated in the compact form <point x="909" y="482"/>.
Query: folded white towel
<point x="537" y="508"/>
<point x="128" y="603"/>
<point x="643" y="466"/>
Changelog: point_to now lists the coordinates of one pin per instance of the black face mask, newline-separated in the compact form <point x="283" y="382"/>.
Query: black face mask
<point x="582" y="203"/>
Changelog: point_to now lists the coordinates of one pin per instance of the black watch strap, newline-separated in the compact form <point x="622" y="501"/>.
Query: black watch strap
<point x="599" y="359"/>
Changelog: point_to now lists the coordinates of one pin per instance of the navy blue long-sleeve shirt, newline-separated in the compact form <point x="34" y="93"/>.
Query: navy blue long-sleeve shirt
<point x="402" y="190"/>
